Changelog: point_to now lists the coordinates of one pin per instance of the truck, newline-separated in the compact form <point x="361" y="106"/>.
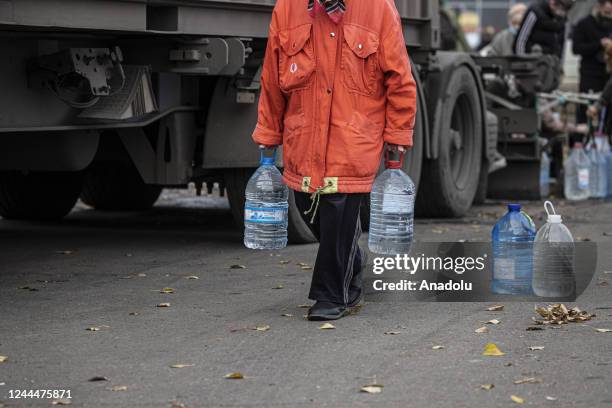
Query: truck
<point x="110" y="101"/>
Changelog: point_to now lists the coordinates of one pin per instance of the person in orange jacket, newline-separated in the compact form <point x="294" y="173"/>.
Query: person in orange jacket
<point x="336" y="86"/>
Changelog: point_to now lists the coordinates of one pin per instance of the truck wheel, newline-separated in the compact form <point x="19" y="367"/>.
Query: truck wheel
<point x="38" y="195"/>
<point x="236" y="181"/>
<point x="117" y="186"/>
<point x="450" y="182"/>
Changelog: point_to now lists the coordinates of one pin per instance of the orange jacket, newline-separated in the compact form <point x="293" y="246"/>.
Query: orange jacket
<point x="331" y="94"/>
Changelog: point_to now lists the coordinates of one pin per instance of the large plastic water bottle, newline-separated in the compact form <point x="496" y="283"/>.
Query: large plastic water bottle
<point x="392" y="210"/>
<point x="553" y="259"/>
<point x="513" y="237"/>
<point x="608" y="154"/>
<point x="576" y="181"/>
<point x="266" y="207"/>
<point x="544" y="175"/>
<point x="598" y="182"/>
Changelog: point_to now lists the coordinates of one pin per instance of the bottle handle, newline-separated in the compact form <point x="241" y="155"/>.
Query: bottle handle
<point x="552" y="208"/>
<point x="394" y="164"/>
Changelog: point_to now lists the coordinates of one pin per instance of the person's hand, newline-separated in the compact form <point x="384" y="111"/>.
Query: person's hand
<point x="592" y="112"/>
<point x="401" y="149"/>
<point x="605" y="42"/>
<point x="268" y="147"/>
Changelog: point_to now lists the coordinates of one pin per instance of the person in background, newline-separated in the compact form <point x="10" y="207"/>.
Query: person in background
<point x="605" y="101"/>
<point x="504" y="40"/>
<point x="591" y="36"/>
<point x="486" y="36"/>
<point x="452" y="37"/>
<point x="544" y="26"/>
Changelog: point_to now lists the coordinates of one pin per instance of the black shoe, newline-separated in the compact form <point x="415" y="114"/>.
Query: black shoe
<point x="327" y="311"/>
<point x="357" y="297"/>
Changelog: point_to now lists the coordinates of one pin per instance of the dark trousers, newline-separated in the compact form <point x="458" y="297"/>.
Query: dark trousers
<point x="336" y="276"/>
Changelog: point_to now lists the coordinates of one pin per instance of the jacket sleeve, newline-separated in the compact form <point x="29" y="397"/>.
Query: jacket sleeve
<point x="581" y="43"/>
<point x="271" y="110"/>
<point x="400" y="87"/>
<point x="522" y="37"/>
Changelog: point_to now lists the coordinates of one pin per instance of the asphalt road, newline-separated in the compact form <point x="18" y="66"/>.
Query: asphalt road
<point x="106" y="271"/>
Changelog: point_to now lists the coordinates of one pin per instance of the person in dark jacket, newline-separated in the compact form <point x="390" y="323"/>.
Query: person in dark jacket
<point x="590" y="38"/>
<point x="543" y="26"/>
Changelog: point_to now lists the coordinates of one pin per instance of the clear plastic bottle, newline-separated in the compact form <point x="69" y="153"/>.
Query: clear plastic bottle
<point x="544" y="175"/>
<point x="576" y="180"/>
<point x="606" y="148"/>
<point x="392" y="211"/>
<point x="598" y="181"/>
<point x="266" y="207"/>
<point x="513" y="237"/>
<point x="553" y="259"/>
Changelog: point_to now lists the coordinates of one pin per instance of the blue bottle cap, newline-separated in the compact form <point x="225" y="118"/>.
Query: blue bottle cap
<point x="268" y="161"/>
<point x="514" y="207"/>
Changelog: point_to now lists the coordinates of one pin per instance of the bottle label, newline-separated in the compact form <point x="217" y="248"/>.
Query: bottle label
<point x="583" y="179"/>
<point x="504" y="268"/>
<point x="267" y="215"/>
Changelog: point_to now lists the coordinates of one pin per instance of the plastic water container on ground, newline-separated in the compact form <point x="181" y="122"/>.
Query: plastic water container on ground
<point x="545" y="175"/>
<point x="576" y="180"/>
<point x="392" y="210"/>
<point x="553" y="259"/>
<point x="266" y="207"/>
<point x="598" y="180"/>
<point x="513" y="237"/>
<point x="605" y="150"/>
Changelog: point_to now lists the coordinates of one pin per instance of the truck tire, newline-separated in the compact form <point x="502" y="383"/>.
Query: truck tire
<point x="38" y="195"/>
<point x="117" y="186"/>
<point x="236" y="181"/>
<point x="450" y="182"/>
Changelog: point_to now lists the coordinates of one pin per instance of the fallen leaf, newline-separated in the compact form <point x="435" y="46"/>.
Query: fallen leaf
<point x="279" y="286"/>
<point x="284" y="262"/>
<point x="304" y="306"/>
<point x="439" y="230"/>
<point x="372" y="388"/>
<point x="142" y="275"/>
<point x="491" y="349"/>
<point x="287" y="315"/>
<point x="481" y="330"/>
<point x="234" y="376"/>
<point x="516" y="399"/>
<point x="238" y="267"/>
<point x="181" y="365"/>
<point x="487" y="386"/>
<point x="528" y="380"/>
<point x="437" y="347"/>
<point x="495" y="308"/>
<point x="66" y="252"/>
<point x="392" y="333"/>
<point x="327" y="326"/>
<point x="3" y="359"/>
<point x="97" y="378"/>
<point x="134" y="313"/>
<point x="167" y="290"/>
<point x="603" y="330"/>
<point x="302" y="264"/>
<point x="535" y="348"/>
<point x="508" y="364"/>
<point x="306" y="268"/>
<point x="534" y="328"/>
<point x="549" y="398"/>
<point x="31" y="289"/>
<point x="603" y="283"/>
<point x="493" y="321"/>
<point x="163" y="305"/>
<point x="263" y="328"/>
<point x="93" y="328"/>
<point x="61" y="401"/>
<point x="119" y="388"/>
<point x="192" y="277"/>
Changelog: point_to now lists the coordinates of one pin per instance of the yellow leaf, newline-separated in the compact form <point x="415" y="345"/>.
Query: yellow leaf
<point x="516" y="399"/>
<point x="372" y="389"/>
<point x="493" y="321"/>
<point x="3" y="359"/>
<point x="163" y="305"/>
<point x="263" y="328"/>
<point x="495" y="308"/>
<point x="528" y="380"/>
<point x="167" y="290"/>
<point x="181" y="365"/>
<point x="327" y="326"/>
<point x="119" y="388"/>
<point x="603" y="330"/>
<point x="437" y="347"/>
<point x="234" y="376"/>
<point x="486" y="386"/>
<point x="481" y="330"/>
<point x="491" y="349"/>
<point x="534" y="348"/>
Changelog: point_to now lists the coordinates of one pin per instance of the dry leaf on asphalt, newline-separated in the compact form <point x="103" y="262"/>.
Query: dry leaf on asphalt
<point x="535" y="348"/>
<point x="559" y="314"/>
<point x="516" y="399"/>
<point x="528" y="380"/>
<point x="327" y="326"/>
<point x="192" y="277"/>
<point x="134" y="313"/>
<point x="163" y="304"/>
<point x="181" y="365"/>
<point x="481" y="330"/>
<point x="372" y="388"/>
<point x="97" y="378"/>
<point x="61" y="401"/>
<point x="549" y="398"/>
<point x="306" y="268"/>
<point x="3" y="359"/>
<point x="495" y="308"/>
<point x="93" y="328"/>
<point x="534" y="328"/>
<point x="167" y="290"/>
<point x="119" y="388"/>
<point x="437" y="348"/>
<point x="238" y="267"/>
<point x="392" y="333"/>
<point x="491" y="349"/>
<point x="304" y="306"/>
<point x="287" y="315"/>
<point x="302" y="264"/>
<point x="142" y="275"/>
<point x="262" y="328"/>
<point x="487" y="386"/>
<point x="284" y="262"/>
<point x="603" y="330"/>
<point x="493" y="321"/>
<point x="234" y="376"/>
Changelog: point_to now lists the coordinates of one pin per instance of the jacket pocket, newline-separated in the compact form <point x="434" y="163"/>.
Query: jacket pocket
<point x="359" y="59"/>
<point x="296" y="60"/>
